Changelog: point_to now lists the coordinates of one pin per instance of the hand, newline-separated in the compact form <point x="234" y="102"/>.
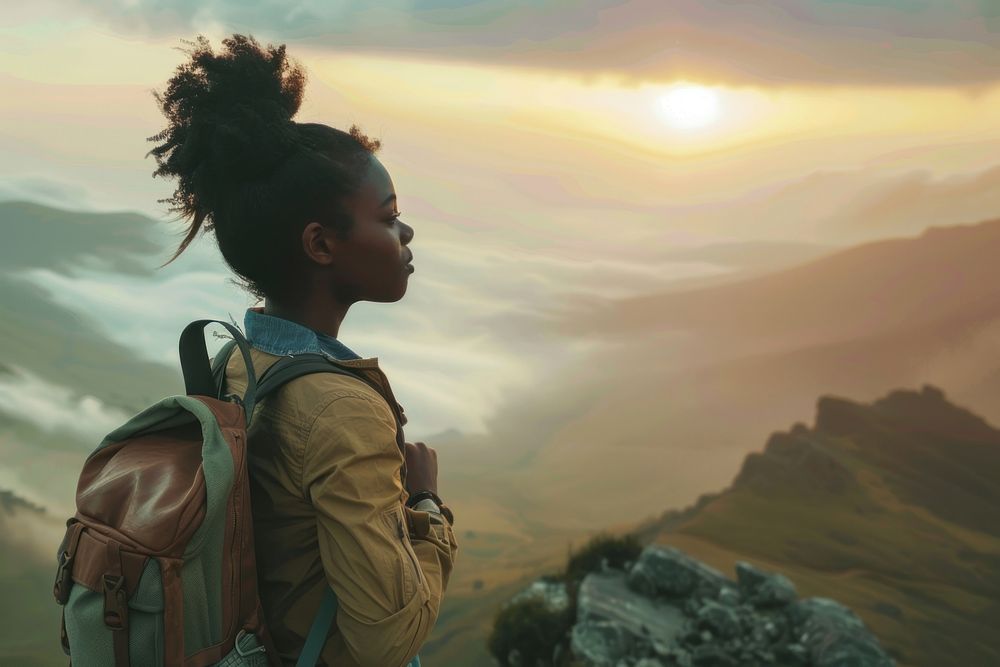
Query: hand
<point x="421" y="468"/>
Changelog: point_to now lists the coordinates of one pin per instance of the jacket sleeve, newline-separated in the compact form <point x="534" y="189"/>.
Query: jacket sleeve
<point x="389" y="583"/>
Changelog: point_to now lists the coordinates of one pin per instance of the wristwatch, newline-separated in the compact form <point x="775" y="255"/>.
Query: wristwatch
<point x="428" y="501"/>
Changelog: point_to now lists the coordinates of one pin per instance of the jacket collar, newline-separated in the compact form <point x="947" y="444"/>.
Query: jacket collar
<point x="276" y="335"/>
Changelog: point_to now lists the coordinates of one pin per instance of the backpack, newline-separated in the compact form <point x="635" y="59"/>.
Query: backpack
<point x="157" y="566"/>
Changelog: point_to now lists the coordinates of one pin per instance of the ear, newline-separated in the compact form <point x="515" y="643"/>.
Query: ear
<point x="319" y="243"/>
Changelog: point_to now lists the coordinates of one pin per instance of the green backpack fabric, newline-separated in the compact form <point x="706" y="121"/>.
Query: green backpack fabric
<point x="157" y="566"/>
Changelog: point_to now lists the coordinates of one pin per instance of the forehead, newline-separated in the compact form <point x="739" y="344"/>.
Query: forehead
<point x="376" y="184"/>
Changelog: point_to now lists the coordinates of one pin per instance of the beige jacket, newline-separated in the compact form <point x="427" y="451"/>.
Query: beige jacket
<point x="328" y="490"/>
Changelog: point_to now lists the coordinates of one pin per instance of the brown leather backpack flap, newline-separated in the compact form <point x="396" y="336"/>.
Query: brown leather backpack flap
<point x="93" y="561"/>
<point x="150" y="489"/>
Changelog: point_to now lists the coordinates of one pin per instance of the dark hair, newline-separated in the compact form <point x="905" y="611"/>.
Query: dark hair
<point x="245" y="169"/>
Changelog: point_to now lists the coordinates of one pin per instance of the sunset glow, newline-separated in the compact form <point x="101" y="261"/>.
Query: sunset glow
<point x="688" y="107"/>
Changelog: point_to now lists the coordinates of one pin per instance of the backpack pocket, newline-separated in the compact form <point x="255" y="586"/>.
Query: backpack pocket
<point x="145" y="636"/>
<point x="91" y="641"/>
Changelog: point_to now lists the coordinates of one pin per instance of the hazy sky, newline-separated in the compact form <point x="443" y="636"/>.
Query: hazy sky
<point x="542" y="151"/>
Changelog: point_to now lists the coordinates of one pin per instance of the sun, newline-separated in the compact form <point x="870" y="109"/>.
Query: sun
<point x="689" y="107"/>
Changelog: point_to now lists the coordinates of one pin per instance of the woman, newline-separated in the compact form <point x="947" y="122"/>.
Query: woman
<point x="306" y="216"/>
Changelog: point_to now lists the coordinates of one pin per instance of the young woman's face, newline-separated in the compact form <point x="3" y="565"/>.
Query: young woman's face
<point x="373" y="264"/>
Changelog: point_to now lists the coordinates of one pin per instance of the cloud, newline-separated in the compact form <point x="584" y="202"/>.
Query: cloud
<point x="468" y="332"/>
<point x="118" y="241"/>
<point x="144" y="315"/>
<point x="45" y="190"/>
<point x="53" y="408"/>
<point x="915" y="200"/>
<point x="852" y="205"/>
<point x="777" y="42"/>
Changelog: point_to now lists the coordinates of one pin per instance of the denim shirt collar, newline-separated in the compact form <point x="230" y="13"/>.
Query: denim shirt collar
<point x="276" y="335"/>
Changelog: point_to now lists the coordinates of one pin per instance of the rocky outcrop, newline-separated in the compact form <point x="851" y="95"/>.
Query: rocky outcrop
<point x="669" y="610"/>
<point x="852" y="497"/>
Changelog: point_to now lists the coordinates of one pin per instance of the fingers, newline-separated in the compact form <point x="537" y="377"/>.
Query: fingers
<point x="422" y="448"/>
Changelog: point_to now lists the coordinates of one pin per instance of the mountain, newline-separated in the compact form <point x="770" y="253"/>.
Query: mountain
<point x="889" y="507"/>
<point x="115" y="241"/>
<point x="743" y="259"/>
<point x="892" y="285"/>
<point x="660" y="413"/>
<point x="682" y="382"/>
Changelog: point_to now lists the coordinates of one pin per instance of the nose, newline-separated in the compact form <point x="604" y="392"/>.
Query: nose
<point x="406" y="235"/>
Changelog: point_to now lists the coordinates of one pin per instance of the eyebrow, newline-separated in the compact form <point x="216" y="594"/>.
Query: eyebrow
<point x="388" y="199"/>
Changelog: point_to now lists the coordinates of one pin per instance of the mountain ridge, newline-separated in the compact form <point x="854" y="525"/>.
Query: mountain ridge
<point x="863" y="284"/>
<point x="888" y="506"/>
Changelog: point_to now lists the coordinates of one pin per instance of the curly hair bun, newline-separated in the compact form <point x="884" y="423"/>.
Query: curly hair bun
<point x="230" y="118"/>
<point x="245" y="169"/>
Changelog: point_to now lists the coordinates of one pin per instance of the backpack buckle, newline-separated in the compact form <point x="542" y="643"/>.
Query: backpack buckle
<point x="64" y="573"/>
<point x="115" y="602"/>
<point x="238" y="644"/>
<point x="61" y="588"/>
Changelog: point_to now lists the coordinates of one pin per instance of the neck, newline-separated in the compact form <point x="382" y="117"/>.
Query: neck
<point x="323" y="315"/>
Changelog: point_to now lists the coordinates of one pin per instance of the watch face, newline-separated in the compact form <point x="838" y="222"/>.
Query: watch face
<point x="427" y="505"/>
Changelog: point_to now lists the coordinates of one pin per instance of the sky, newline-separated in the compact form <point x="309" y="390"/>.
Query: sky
<point x="544" y="152"/>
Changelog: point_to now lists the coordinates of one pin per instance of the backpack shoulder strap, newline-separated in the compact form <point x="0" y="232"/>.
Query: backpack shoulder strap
<point x="288" y="369"/>
<point x="219" y="366"/>
<point x="319" y="630"/>
<point x="196" y="366"/>
<point x="280" y="373"/>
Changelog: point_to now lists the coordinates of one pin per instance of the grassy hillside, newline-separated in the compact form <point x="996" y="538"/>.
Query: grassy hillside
<point x="29" y="619"/>
<point x="889" y="507"/>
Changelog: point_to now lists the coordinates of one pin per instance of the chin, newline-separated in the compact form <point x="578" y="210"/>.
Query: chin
<point x="392" y="297"/>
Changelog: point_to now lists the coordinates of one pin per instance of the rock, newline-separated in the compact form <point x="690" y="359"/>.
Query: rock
<point x="764" y="589"/>
<point x="720" y="620"/>
<point x="552" y="593"/>
<point x="834" y="636"/>
<point x="712" y="655"/>
<point x="792" y="655"/>
<point x="816" y="612"/>
<point x="729" y="596"/>
<point x="669" y="610"/>
<point x="680" y="657"/>
<point x="776" y="591"/>
<point x="666" y="572"/>
<point x="600" y="643"/>
<point x="607" y="597"/>
<point x="748" y="577"/>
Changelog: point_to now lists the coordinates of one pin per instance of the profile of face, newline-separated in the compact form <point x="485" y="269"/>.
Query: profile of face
<point x="374" y="262"/>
